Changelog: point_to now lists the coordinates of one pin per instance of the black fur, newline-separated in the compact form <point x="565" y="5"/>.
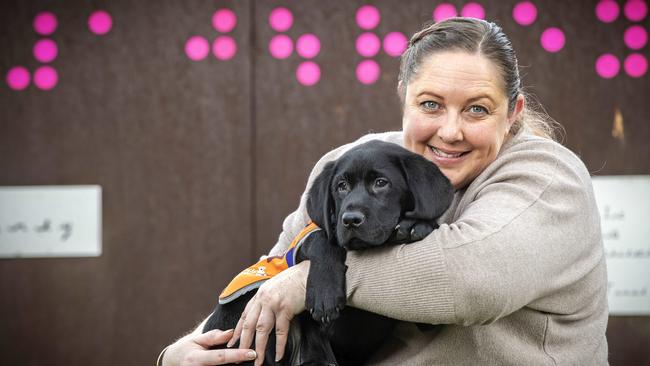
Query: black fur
<point x="377" y="193"/>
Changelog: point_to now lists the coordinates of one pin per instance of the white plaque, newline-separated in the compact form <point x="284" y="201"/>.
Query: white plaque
<point x="50" y="221"/>
<point x="624" y="204"/>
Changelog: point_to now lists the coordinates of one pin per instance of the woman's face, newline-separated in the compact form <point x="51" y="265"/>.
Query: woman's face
<point x="456" y="114"/>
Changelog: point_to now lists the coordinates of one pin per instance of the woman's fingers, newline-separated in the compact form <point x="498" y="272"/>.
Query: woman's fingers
<point x="264" y="326"/>
<point x="249" y="322"/>
<point x="281" y="334"/>
<point x="227" y="356"/>
<point x="213" y="337"/>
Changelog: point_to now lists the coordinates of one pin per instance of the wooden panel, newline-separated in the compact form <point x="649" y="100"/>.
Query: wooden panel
<point x="167" y="138"/>
<point x="200" y="161"/>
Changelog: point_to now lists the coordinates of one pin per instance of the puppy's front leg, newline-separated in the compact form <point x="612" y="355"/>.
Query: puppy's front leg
<point x="411" y="230"/>
<point x="326" y="293"/>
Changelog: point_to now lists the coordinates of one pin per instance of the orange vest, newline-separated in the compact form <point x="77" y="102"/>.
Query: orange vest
<point x="255" y="275"/>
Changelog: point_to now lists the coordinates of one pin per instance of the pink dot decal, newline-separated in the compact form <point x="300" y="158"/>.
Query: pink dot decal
<point x="281" y="46"/>
<point x="553" y="39"/>
<point x="444" y="11"/>
<point x="45" y="78"/>
<point x="395" y="43"/>
<point x="308" y="73"/>
<point x="524" y="13"/>
<point x="635" y="10"/>
<point x="473" y="10"/>
<point x="224" y="48"/>
<point x="607" y="11"/>
<point x="607" y="66"/>
<point x="224" y="20"/>
<point x="308" y="45"/>
<point x="45" y="23"/>
<point x="368" y="44"/>
<point x="197" y="48"/>
<point x="45" y="50"/>
<point x="18" y="78"/>
<point x="368" y="72"/>
<point x="636" y="65"/>
<point x="636" y="37"/>
<point x="368" y="17"/>
<point x="281" y="19"/>
<point x="100" y="22"/>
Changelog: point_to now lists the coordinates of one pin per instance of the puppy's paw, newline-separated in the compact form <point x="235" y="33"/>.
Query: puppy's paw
<point x="325" y="296"/>
<point x="409" y="230"/>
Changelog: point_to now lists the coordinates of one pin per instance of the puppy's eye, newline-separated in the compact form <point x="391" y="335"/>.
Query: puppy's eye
<point x="381" y="182"/>
<point x="342" y="186"/>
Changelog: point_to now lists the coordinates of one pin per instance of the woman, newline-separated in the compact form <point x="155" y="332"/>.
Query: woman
<point x="516" y="273"/>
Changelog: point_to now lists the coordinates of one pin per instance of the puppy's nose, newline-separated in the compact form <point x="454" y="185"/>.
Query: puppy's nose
<point x="353" y="219"/>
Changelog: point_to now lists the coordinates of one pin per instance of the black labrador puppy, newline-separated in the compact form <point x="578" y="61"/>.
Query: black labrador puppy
<point x="377" y="193"/>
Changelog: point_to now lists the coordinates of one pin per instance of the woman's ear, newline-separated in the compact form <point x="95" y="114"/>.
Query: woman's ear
<point x="319" y="199"/>
<point x="520" y="103"/>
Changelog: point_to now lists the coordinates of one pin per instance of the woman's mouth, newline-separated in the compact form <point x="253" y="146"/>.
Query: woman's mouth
<point x="446" y="158"/>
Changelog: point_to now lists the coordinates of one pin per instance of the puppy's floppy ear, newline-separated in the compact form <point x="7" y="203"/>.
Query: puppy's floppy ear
<point x="320" y="203"/>
<point x="431" y="190"/>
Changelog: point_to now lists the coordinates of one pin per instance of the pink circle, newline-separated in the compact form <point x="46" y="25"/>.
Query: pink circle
<point x="395" y="43"/>
<point x="607" y="11"/>
<point x="18" y="78"/>
<point x="224" y="20"/>
<point x="553" y="39"/>
<point x="368" y="17"/>
<point x="444" y="11"/>
<point x="224" y="47"/>
<point x="45" y="50"/>
<point x="100" y="22"/>
<point x="308" y="45"/>
<point x="524" y="13"/>
<point x="607" y="66"/>
<point x="636" y="65"/>
<point x="281" y="19"/>
<point x="308" y="73"/>
<point x="45" y="78"/>
<point x="45" y="23"/>
<point x="368" y="72"/>
<point x="635" y="10"/>
<point x="197" y="48"/>
<point x="281" y="46"/>
<point x="368" y="44"/>
<point x="473" y="10"/>
<point x="636" y="37"/>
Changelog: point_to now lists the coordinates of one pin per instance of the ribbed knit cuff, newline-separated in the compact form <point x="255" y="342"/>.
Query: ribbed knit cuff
<point x="406" y="282"/>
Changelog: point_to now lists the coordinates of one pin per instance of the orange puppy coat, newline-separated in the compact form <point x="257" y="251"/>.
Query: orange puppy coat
<point x="255" y="275"/>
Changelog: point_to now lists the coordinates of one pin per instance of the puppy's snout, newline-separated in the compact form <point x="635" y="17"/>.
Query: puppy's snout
<point x="353" y="219"/>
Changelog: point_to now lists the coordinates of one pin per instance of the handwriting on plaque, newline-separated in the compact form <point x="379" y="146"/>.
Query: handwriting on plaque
<point x="626" y="236"/>
<point x="63" y="230"/>
<point x="50" y="221"/>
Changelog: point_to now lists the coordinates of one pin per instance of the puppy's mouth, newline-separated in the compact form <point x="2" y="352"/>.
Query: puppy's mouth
<point x="353" y="239"/>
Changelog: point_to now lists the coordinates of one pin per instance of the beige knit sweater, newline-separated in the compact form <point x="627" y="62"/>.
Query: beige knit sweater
<point x="515" y="274"/>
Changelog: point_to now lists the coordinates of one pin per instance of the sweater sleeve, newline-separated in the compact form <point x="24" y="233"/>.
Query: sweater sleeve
<point x="525" y="233"/>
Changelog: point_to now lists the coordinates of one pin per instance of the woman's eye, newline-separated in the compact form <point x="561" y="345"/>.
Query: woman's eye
<point x="381" y="182"/>
<point x="477" y="109"/>
<point x="431" y="105"/>
<point x="342" y="186"/>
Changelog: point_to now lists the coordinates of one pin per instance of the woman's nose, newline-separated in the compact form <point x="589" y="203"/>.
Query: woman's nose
<point x="450" y="129"/>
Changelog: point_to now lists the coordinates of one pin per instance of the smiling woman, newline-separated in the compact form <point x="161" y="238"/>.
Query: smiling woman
<point x="515" y="274"/>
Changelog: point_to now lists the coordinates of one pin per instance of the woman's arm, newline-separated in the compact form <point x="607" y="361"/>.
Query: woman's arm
<point x="526" y="233"/>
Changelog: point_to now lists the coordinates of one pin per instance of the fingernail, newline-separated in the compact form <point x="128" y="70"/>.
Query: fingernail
<point x="251" y="355"/>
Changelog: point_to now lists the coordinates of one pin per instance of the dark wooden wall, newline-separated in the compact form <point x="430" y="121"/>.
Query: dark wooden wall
<point x="199" y="162"/>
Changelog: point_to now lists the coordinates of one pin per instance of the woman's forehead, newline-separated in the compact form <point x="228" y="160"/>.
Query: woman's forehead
<point x="458" y="72"/>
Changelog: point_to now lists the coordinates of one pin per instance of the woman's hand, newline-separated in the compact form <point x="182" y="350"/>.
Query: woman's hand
<point x="276" y="302"/>
<point x="192" y="350"/>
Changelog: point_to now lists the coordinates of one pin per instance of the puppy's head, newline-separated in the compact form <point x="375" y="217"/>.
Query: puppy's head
<point x="360" y="198"/>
